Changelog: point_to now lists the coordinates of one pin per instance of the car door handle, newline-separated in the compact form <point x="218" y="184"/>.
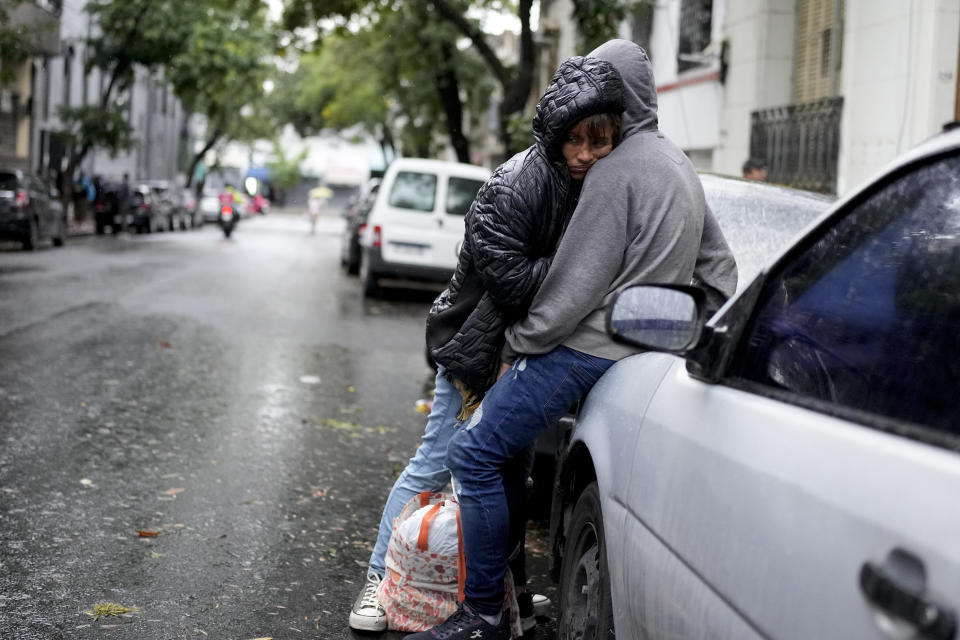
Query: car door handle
<point x="898" y="590"/>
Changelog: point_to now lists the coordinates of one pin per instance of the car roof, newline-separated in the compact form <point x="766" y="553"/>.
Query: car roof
<point x="439" y="166"/>
<point x="759" y="220"/>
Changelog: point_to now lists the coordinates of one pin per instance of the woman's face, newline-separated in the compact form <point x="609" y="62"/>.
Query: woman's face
<point x="581" y="149"/>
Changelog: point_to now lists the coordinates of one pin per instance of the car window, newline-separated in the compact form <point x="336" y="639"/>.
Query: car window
<point x="413" y="190"/>
<point x="8" y="182"/>
<point x="868" y="317"/>
<point x="460" y="195"/>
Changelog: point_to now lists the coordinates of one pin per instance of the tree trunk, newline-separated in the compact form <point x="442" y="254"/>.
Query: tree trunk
<point x="386" y="142"/>
<point x="448" y="87"/>
<point x="517" y="85"/>
<point x="197" y="157"/>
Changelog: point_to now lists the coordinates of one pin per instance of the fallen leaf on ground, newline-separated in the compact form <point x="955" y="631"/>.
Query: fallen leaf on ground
<point x="164" y="344"/>
<point x="109" y="609"/>
<point x="342" y="425"/>
<point x="351" y="389"/>
<point x="173" y="492"/>
<point x="148" y="533"/>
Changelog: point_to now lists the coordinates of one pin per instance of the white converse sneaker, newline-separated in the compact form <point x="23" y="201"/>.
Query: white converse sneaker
<point x="367" y="614"/>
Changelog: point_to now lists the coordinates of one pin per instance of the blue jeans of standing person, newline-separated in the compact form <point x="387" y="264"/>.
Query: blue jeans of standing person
<point x="426" y="470"/>
<point x="535" y="393"/>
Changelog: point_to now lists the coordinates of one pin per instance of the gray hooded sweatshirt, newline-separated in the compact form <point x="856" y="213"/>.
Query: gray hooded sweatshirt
<point x="642" y="218"/>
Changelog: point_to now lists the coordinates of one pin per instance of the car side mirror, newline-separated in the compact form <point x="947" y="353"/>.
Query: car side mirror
<point x="666" y="318"/>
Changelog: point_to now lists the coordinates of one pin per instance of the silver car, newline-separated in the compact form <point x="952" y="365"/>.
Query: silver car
<point x="789" y="469"/>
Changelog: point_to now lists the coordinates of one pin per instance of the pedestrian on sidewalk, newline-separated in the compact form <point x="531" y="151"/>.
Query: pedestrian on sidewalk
<point x="642" y="217"/>
<point x="513" y="227"/>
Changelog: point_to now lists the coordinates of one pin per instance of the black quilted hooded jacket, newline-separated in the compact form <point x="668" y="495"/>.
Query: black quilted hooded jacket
<point x="512" y="229"/>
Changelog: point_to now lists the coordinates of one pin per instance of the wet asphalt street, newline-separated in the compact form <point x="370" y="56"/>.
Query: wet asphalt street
<point x="236" y="398"/>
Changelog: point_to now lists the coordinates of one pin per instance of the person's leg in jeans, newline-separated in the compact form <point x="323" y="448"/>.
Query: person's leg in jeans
<point x="426" y="471"/>
<point x="534" y="394"/>
<point x="515" y="485"/>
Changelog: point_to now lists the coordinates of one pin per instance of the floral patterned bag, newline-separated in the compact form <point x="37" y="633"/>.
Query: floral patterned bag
<point x="421" y="588"/>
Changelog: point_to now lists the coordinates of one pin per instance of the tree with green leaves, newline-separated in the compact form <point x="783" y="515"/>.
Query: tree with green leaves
<point x="14" y="42"/>
<point x="398" y="75"/>
<point x="515" y="77"/>
<point x="600" y="20"/>
<point x="220" y="71"/>
<point x="128" y="35"/>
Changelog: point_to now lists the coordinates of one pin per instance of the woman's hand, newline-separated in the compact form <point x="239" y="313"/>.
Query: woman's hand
<point x="503" y="369"/>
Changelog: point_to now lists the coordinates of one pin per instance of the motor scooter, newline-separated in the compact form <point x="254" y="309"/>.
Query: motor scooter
<point x="227" y="218"/>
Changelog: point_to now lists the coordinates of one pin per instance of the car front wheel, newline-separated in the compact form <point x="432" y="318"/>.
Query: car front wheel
<point x="586" y="610"/>
<point x="32" y="236"/>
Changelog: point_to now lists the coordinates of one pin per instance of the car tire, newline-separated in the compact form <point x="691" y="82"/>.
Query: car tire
<point x="61" y="237"/>
<point x="368" y="280"/>
<point x="32" y="237"/>
<point x="353" y="261"/>
<point x="586" y="608"/>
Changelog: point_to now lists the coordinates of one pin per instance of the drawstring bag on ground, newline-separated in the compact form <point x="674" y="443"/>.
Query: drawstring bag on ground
<point x="425" y="566"/>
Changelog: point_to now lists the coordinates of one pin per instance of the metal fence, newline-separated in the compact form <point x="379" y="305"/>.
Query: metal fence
<point x="800" y="143"/>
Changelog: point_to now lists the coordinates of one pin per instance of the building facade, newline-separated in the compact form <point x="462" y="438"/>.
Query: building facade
<point x="54" y="76"/>
<point x="41" y="22"/>
<point x="824" y="91"/>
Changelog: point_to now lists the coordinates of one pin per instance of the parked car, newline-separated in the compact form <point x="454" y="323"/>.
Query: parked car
<point x="789" y="469"/>
<point x="106" y="207"/>
<point x="146" y="214"/>
<point x="192" y="215"/>
<point x="170" y="210"/>
<point x="415" y="226"/>
<point x="758" y="220"/>
<point x="355" y="216"/>
<point x="30" y="210"/>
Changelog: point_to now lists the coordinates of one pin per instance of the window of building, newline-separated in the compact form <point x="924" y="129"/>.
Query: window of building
<point x="695" y="27"/>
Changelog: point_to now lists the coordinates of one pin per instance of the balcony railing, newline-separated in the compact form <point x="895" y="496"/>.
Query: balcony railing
<point x="800" y="143"/>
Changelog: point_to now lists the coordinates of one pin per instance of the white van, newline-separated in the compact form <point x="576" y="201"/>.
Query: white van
<point x="415" y="227"/>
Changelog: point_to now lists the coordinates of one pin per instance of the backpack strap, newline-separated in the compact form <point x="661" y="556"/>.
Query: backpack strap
<point x="424" y="498"/>
<point x="425" y="526"/>
<point x="461" y="561"/>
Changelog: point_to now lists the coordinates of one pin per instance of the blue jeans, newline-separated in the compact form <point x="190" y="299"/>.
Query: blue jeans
<point x="534" y="394"/>
<point x="426" y="470"/>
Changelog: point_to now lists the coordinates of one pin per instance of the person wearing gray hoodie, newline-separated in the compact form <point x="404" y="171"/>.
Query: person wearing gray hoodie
<point x="641" y="217"/>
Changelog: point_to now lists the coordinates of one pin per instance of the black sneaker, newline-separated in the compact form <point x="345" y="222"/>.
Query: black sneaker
<point x="464" y="624"/>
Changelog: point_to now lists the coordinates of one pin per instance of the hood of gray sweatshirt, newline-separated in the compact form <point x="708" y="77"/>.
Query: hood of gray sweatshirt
<point x="642" y="218"/>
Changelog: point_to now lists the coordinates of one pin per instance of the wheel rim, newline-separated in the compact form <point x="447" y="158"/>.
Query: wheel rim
<point x="583" y="593"/>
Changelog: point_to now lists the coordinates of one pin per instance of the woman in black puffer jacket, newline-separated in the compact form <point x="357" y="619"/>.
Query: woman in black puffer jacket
<point x="512" y="230"/>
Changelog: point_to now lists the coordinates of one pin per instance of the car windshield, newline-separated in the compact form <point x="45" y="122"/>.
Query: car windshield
<point x="759" y="220"/>
<point x="414" y="190"/>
